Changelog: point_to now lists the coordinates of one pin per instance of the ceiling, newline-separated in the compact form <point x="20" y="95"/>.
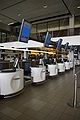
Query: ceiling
<point x="33" y="10"/>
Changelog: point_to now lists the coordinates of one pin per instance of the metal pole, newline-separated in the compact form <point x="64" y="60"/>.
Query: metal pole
<point x="75" y="84"/>
<point x="75" y="92"/>
<point x="74" y="103"/>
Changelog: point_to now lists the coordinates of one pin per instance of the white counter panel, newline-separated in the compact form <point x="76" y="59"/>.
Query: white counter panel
<point x="11" y="82"/>
<point x="71" y="64"/>
<point x="61" y="67"/>
<point x="67" y="65"/>
<point x="38" y="74"/>
<point x="52" y="69"/>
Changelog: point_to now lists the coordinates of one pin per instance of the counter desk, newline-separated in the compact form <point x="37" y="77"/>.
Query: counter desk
<point x="38" y="74"/>
<point x="71" y="64"/>
<point x="52" y="69"/>
<point x="61" y="67"/>
<point x="11" y="82"/>
<point x="67" y="65"/>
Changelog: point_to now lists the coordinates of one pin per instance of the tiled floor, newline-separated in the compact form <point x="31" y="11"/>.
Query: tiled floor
<point x="46" y="101"/>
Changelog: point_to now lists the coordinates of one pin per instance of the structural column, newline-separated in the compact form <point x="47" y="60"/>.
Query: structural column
<point x="71" y="25"/>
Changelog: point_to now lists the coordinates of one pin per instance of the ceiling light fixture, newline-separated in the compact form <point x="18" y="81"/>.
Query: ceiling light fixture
<point x="3" y="33"/>
<point x="44" y="6"/>
<point x="11" y="23"/>
<point x="78" y="7"/>
<point x="19" y="15"/>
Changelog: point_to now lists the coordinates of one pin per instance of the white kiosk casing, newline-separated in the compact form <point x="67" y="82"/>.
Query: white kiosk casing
<point x="38" y="74"/>
<point x="61" y="67"/>
<point x="67" y="65"/>
<point x="11" y="82"/>
<point x="52" y="69"/>
<point x="71" y="64"/>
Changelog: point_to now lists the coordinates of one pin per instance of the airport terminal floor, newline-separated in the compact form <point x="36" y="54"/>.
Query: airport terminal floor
<point x="47" y="101"/>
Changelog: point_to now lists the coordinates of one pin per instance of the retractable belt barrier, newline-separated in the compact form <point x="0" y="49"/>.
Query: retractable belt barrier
<point x="74" y="103"/>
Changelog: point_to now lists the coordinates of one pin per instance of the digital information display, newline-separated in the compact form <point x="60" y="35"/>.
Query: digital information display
<point x="59" y="44"/>
<point x="47" y="40"/>
<point x="25" y="31"/>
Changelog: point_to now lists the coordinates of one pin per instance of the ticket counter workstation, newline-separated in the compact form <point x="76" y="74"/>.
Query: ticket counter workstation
<point x="52" y="69"/>
<point x="51" y="66"/>
<point x="34" y="71"/>
<point x="67" y="65"/>
<point x="61" y="67"/>
<point x="38" y="74"/>
<point x="11" y="82"/>
<point x="71" y="64"/>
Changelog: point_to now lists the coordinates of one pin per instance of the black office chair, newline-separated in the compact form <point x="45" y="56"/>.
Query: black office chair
<point x="1" y="66"/>
<point x="27" y="69"/>
<point x="27" y="72"/>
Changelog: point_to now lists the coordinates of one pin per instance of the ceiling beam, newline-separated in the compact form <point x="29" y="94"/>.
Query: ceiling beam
<point x="8" y="17"/>
<point x="50" y="18"/>
<point x="13" y="4"/>
<point x="66" y="7"/>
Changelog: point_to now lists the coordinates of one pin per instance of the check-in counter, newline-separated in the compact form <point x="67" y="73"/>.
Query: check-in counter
<point x="52" y="69"/>
<point x="67" y="65"/>
<point x="61" y="67"/>
<point x="38" y="74"/>
<point x="77" y="62"/>
<point x="71" y="64"/>
<point x="11" y="82"/>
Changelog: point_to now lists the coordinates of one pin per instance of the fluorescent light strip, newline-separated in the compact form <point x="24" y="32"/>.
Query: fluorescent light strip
<point x="78" y="7"/>
<point x="11" y="23"/>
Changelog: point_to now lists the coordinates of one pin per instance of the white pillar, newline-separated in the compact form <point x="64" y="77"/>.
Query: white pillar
<point x="71" y="25"/>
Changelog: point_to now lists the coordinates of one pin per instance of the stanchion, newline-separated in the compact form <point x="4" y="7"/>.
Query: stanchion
<point x="74" y="102"/>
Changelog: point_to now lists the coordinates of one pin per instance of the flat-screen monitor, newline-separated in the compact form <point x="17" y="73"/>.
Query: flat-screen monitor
<point x="71" y="48"/>
<point x="59" y="44"/>
<point x="66" y="46"/>
<point x="15" y="62"/>
<point x="47" y="40"/>
<point x="24" y="31"/>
